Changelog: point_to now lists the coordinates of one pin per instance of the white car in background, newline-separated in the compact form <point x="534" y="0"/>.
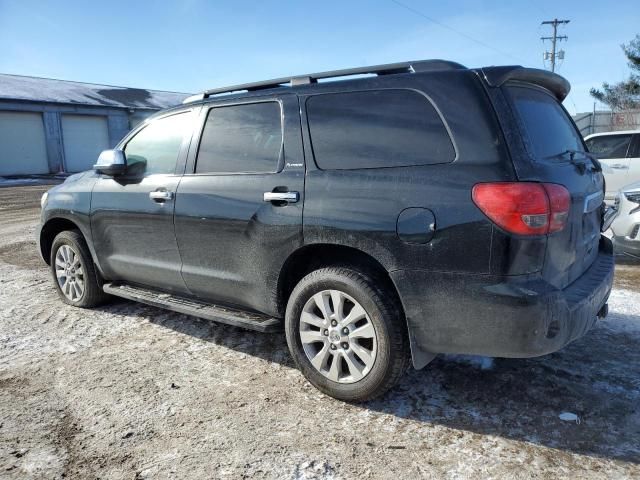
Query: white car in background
<point x="619" y="154"/>
<point x="625" y="228"/>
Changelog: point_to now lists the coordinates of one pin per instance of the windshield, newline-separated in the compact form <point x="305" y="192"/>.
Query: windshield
<point x="549" y="133"/>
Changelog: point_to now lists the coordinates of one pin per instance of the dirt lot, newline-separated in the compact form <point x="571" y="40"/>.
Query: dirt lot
<point x="130" y="391"/>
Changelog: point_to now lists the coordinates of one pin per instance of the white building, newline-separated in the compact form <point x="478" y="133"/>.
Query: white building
<point x="51" y="126"/>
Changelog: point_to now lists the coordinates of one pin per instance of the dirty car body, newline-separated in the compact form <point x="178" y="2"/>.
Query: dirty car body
<point x="422" y="175"/>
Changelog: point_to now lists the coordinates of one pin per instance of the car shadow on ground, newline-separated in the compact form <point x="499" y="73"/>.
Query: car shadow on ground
<point x="596" y="377"/>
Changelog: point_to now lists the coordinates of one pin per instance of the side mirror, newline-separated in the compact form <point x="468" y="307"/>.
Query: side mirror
<point x="111" y="162"/>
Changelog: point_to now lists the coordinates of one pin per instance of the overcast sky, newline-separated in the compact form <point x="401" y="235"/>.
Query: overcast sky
<point x="191" y="45"/>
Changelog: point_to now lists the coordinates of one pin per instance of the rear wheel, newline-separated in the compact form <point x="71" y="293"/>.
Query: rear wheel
<point x="346" y="334"/>
<point x="74" y="272"/>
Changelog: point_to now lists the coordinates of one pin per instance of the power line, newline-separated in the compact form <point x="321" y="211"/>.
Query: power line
<point x="553" y="54"/>
<point x="462" y="34"/>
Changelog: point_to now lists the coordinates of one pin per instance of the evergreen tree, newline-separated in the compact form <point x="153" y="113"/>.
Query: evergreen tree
<point x="623" y="95"/>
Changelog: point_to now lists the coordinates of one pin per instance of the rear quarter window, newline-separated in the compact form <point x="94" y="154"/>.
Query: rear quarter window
<point x="376" y="129"/>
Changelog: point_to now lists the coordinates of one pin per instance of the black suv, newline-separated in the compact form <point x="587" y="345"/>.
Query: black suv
<point x="413" y="209"/>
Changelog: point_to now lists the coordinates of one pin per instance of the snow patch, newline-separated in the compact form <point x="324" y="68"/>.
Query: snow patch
<point x="624" y="311"/>
<point x="569" y="417"/>
<point x="16" y="182"/>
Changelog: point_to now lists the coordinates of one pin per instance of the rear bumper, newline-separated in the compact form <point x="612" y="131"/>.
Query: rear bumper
<point x="500" y="316"/>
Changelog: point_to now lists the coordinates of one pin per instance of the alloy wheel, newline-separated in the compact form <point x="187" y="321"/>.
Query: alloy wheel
<point x="338" y="336"/>
<point x="69" y="273"/>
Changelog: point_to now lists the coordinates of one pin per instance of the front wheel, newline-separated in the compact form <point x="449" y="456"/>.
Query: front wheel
<point x="74" y="272"/>
<point x="346" y="334"/>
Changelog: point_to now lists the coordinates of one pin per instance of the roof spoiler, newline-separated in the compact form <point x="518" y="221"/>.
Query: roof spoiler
<point x="556" y="84"/>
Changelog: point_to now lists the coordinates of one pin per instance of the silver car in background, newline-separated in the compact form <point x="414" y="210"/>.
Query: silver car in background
<point x="626" y="226"/>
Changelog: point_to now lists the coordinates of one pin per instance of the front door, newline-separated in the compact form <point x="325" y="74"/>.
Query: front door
<point x="238" y="213"/>
<point x="132" y="214"/>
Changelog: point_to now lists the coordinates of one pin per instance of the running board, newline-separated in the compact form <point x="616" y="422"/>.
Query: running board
<point x="196" y="308"/>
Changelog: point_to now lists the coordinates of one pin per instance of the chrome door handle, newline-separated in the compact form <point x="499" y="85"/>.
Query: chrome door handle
<point x="290" y="197"/>
<point x="619" y="166"/>
<point x="160" y="196"/>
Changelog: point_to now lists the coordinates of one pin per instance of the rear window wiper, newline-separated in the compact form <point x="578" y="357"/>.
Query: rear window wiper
<point x="597" y="167"/>
<point x="581" y="166"/>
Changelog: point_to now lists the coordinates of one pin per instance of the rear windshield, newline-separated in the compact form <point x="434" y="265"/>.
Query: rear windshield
<point x="548" y="131"/>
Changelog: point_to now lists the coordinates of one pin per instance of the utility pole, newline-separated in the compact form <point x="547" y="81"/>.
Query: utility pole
<point x="554" y="54"/>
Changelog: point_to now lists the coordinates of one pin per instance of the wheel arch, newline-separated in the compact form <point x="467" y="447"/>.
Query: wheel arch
<point x="314" y="256"/>
<point x="51" y="228"/>
<point x="311" y="257"/>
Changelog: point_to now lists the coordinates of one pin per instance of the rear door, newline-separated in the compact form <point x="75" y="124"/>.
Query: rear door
<point x="555" y="153"/>
<point x="612" y="152"/>
<point x="238" y="212"/>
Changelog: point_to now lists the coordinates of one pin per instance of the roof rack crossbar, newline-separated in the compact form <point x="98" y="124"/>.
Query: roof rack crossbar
<point x="386" y="69"/>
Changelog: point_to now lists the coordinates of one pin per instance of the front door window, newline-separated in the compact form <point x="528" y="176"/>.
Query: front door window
<point x="156" y="147"/>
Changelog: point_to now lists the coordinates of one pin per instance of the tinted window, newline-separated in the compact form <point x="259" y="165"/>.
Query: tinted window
<point x="609" y="146"/>
<point x="385" y="128"/>
<point x="548" y="129"/>
<point x="155" y="148"/>
<point x="241" y="138"/>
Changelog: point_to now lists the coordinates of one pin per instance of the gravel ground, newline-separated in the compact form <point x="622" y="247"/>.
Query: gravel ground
<point x="130" y="391"/>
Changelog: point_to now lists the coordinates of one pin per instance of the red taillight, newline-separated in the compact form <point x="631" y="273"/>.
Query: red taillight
<point x="524" y="208"/>
<point x="559" y="203"/>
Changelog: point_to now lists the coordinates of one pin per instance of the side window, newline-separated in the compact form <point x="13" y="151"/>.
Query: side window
<point x="155" y="148"/>
<point x="375" y="129"/>
<point x="243" y="138"/>
<point x="609" y="146"/>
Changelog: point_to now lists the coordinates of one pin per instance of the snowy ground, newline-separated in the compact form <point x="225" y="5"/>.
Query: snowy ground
<point x="130" y="391"/>
<point x="34" y="180"/>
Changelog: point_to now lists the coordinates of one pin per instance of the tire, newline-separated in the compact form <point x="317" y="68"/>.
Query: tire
<point x="83" y="290"/>
<point x="355" y="378"/>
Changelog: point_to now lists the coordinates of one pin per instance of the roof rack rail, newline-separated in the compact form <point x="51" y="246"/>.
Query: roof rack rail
<point x="386" y="69"/>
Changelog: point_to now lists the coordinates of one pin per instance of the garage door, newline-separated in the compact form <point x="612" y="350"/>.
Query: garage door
<point x="23" y="150"/>
<point x="84" y="137"/>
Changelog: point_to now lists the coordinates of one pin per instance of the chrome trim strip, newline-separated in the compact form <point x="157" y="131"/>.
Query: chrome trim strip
<point x="593" y="201"/>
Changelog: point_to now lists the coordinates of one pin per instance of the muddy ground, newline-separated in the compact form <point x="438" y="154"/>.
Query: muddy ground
<point x="130" y="391"/>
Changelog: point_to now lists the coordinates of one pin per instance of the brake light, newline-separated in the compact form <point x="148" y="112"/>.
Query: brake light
<point x="524" y="208"/>
<point x="559" y="204"/>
